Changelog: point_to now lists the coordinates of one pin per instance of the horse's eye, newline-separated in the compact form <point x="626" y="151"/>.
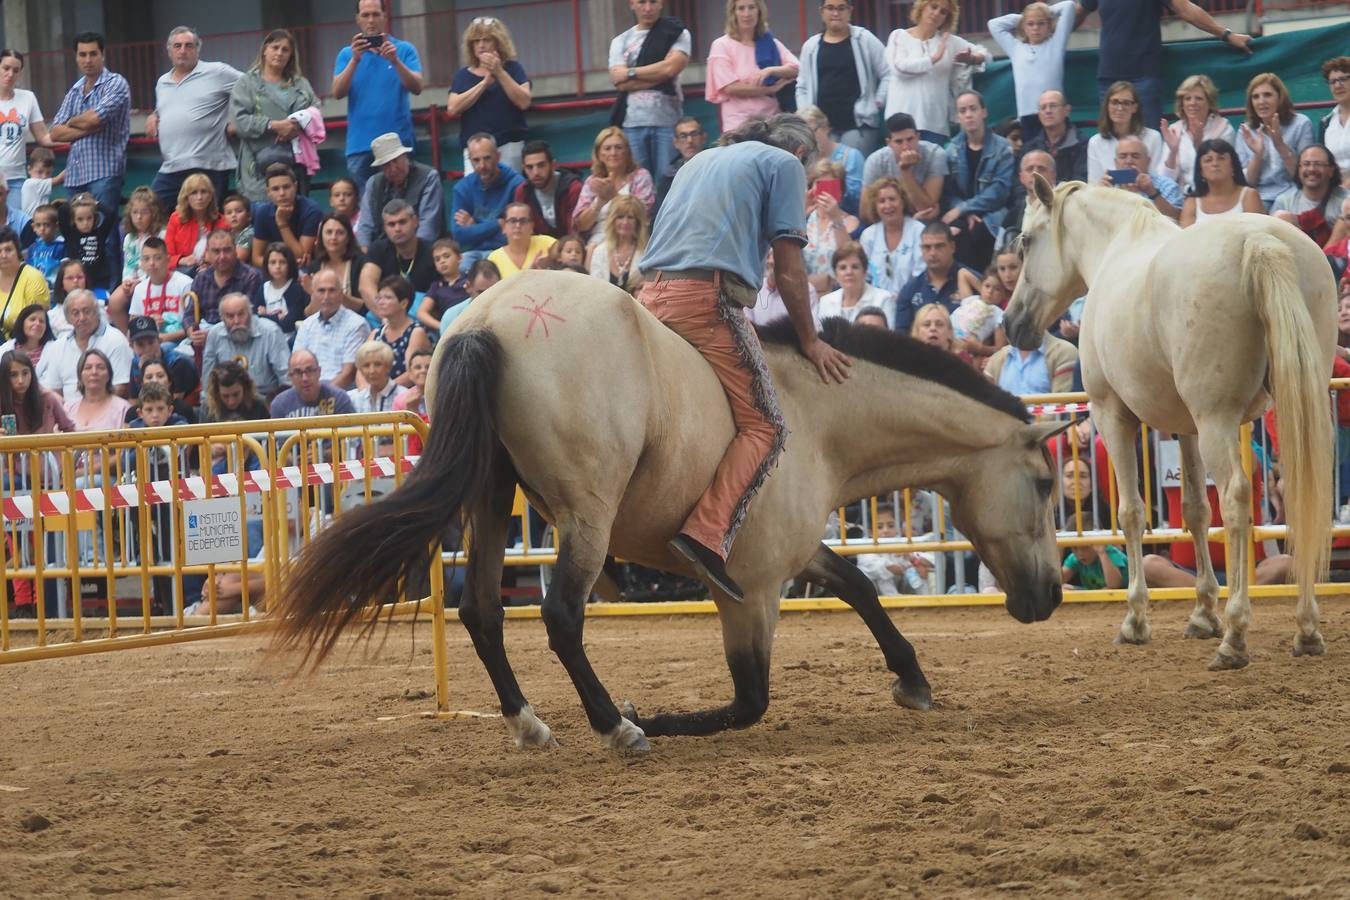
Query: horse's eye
<point x="1044" y="486"/>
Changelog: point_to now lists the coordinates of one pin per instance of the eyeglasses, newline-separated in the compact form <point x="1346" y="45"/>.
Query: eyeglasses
<point x="833" y="8"/>
<point x="304" y="373"/>
<point x="688" y="135"/>
<point x="484" y="20"/>
<point x="1338" y="80"/>
<point x="1312" y="164"/>
<point x="1122" y="104"/>
<point x="516" y="220"/>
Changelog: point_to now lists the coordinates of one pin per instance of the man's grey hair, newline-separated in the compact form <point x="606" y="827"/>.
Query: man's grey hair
<point x="184" y="29"/>
<point x="398" y="206"/>
<point x="1046" y="153"/>
<point x="236" y="295"/>
<point x="79" y="294"/>
<point x="786" y="131"/>
<point x="481" y="136"/>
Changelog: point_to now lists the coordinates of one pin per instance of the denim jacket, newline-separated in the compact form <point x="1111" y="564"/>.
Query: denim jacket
<point x="993" y="179"/>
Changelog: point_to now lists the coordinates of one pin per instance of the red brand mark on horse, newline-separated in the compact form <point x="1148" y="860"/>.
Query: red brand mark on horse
<point x="538" y="314"/>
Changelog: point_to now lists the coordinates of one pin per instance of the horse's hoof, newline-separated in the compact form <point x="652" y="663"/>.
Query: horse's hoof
<point x="1225" y="662"/>
<point x="1309" y="646"/>
<point x="528" y="731"/>
<point x="626" y="736"/>
<point x="915" y="696"/>
<point x="1206" y="632"/>
<point x="1136" y="638"/>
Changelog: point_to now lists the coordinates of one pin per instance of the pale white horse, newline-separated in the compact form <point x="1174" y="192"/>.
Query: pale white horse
<point x="1189" y="331"/>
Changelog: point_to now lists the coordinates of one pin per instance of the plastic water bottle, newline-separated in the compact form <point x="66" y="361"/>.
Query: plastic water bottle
<point x="917" y="583"/>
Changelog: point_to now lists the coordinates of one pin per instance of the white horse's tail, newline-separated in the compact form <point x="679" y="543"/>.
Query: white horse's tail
<point x="1270" y="278"/>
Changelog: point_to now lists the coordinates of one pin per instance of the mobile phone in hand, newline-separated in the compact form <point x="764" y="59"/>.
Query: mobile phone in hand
<point x="373" y="41"/>
<point x="1123" y="176"/>
<point x="832" y="186"/>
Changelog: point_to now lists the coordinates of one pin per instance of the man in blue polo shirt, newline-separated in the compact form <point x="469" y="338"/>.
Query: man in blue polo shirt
<point x="286" y="217"/>
<point x="945" y="280"/>
<point x="376" y="74"/>
<point x="704" y="263"/>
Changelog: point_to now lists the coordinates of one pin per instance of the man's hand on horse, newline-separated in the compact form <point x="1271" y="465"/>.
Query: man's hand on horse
<point x="829" y="362"/>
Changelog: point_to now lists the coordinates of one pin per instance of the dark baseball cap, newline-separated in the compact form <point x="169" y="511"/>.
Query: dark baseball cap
<point x="142" y="326"/>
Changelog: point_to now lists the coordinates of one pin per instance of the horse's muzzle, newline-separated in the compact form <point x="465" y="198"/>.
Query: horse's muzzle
<point x="1034" y="604"/>
<point x="1022" y="332"/>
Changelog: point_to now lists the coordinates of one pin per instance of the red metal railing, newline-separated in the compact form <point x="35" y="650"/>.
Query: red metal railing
<point x="551" y="36"/>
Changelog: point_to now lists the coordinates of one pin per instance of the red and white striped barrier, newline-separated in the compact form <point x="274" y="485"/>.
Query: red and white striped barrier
<point x="1056" y="409"/>
<point x="123" y="496"/>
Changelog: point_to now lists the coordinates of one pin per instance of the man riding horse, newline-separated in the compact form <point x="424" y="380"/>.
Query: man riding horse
<point x="704" y="264"/>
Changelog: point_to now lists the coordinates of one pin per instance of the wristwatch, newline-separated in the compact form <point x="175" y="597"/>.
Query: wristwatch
<point x="1227" y="33"/>
<point x="632" y="73"/>
<point x="1155" y="195"/>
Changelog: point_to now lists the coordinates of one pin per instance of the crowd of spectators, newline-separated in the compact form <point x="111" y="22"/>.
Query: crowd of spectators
<point x="225" y="280"/>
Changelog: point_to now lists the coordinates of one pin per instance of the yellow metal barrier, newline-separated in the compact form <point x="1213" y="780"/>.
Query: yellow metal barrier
<point x="325" y="455"/>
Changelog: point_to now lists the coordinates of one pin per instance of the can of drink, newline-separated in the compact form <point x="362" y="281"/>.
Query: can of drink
<point x="9" y="424"/>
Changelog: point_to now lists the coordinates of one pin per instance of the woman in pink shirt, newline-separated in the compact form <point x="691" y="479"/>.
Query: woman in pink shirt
<point x="97" y="408"/>
<point x="748" y="66"/>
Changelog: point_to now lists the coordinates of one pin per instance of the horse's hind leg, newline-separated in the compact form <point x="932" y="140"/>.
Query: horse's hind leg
<point x="1195" y="513"/>
<point x="482" y="615"/>
<point x="581" y="555"/>
<point x="1119" y="428"/>
<point x="834" y="573"/>
<point x="747" y="639"/>
<point x="1220" y="448"/>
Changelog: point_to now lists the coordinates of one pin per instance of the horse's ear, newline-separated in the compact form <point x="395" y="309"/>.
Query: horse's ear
<point x="1042" y="432"/>
<point x="1043" y="190"/>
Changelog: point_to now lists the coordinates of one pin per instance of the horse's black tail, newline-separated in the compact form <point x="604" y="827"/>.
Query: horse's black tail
<point x="359" y="560"/>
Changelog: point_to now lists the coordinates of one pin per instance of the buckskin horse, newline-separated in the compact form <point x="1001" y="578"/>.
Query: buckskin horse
<point x="1191" y="331"/>
<point x="612" y="426"/>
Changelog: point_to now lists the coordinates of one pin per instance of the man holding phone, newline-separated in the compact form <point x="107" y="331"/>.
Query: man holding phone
<point x="377" y="73"/>
<point x="1131" y="174"/>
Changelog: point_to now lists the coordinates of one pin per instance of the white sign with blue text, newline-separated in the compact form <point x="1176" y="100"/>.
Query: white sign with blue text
<point x="214" y="532"/>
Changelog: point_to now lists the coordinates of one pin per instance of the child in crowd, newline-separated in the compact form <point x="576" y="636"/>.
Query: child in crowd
<point x="144" y="219"/>
<point x="448" y="288"/>
<point x="884" y="568"/>
<point x="1094" y="568"/>
<point x="1008" y="264"/>
<point x="1035" y="40"/>
<point x="86" y="235"/>
<point x="978" y="322"/>
<point x="163" y="295"/>
<point x="343" y="200"/>
<point x="284" y="298"/>
<point x="414" y="399"/>
<point x="156" y="409"/>
<point x="569" y="253"/>
<point x="237" y="212"/>
<point x="37" y="187"/>
<point x="48" y="247"/>
<point x="482" y="275"/>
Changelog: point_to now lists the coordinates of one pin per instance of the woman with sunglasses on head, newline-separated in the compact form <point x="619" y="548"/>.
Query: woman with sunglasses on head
<point x="492" y="92"/>
<point x="891" y="242"/>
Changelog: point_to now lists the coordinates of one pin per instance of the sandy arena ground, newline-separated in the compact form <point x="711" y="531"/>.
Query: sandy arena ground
<point x="1055" y="764"/>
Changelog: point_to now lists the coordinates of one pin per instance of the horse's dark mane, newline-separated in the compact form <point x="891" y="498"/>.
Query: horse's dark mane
<point x="902" y="353"/>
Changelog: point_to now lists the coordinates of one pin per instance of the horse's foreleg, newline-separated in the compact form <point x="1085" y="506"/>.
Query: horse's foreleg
<point x="1219" y="447"/>
<point x="1195" y="512"/>
<point x="480" y="611"/>
<point x="1119" y="428"/>
<point x="581" y="555"/>
<point x="747" y="637"/>
<point x="834" y="573"/>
